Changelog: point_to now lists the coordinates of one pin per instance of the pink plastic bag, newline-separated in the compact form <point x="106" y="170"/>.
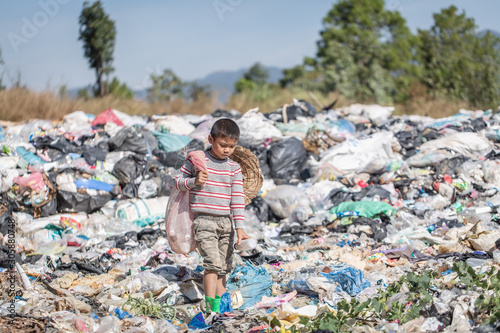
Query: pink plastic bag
<point x="179" y="222"/>
<point x="34" y="181"/>
<point x="197" y="157"/>
<point x="178" y="216"/>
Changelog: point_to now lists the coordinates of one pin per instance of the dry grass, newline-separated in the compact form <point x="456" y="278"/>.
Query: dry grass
<point x="21" y="104"/>
<point x="432" y="107"/>
<point x="272" y="99"/>
<point x="421" y="103"/>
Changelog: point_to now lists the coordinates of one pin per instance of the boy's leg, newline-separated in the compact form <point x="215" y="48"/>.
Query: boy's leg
<point x="226" y="250"/>
<point x="221" y="285"/>
<point x="206" y="234"/>
<point x="210" y="283"/>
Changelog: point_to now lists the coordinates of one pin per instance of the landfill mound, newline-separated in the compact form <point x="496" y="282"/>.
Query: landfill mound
<point x="365" y="222"/>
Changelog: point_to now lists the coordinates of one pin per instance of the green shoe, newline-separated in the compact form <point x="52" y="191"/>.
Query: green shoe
<point x="210" y="304"/>
<point x="217" y="304"/>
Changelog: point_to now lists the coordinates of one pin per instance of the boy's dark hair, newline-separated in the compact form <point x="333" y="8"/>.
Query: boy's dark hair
<point x="225" y="128"/>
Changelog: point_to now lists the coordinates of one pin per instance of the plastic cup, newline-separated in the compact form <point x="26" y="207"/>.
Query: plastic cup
<point x="246" y="245"/>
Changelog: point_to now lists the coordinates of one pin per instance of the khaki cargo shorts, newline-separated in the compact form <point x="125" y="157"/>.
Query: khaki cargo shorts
<point x="214" y="237"/>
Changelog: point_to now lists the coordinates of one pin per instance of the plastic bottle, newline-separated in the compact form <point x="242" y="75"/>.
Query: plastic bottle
<point x="246" y="245"/>
<point x="487" y="209"/>
<point x="300" y="214"/>
<point x="473" y="262"/>
<point x="496" y="256"/>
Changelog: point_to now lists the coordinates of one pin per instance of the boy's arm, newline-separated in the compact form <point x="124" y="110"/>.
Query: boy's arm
<point x="238" y="199"/>
<point x="186" y="179"/>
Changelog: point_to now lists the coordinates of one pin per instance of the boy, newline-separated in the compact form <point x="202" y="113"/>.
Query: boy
<point x="214" y="196"/>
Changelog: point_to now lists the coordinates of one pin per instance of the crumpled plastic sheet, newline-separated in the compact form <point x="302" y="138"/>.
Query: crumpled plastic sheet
<point x="252" y="281"/>
<point x="348" y="278"/>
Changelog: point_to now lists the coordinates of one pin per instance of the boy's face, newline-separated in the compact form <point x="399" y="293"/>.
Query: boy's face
<point x="222" y="146"/>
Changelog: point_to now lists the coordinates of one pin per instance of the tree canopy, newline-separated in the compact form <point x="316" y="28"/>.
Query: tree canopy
<point x="255" y="76"/>
<point x="98" y="33"/>
<point x="460" y="62"/>
<point x="120" y="89"/>
<point x="165" y="86"/>
<point x="367" y="53"/>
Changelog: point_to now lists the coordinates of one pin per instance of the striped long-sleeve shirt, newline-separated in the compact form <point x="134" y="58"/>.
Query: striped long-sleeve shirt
<point x="222" y="193"/>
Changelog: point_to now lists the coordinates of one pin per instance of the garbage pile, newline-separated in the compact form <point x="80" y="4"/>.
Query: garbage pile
<point x="366" y="222"/>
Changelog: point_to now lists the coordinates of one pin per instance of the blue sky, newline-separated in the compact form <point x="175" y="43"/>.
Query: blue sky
<point x="194" y="38"/>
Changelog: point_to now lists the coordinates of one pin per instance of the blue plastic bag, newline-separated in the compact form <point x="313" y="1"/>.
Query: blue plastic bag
<point x="252" y="281"/>
<point x="29" y="157"/>
<point x="349" y="279"/>
<point x="225" y="303"/>
<point x="198" y="322"/>
<point x="93" y="184"/>
<point x="171" y="142"/>
<point x="122" y="314"/>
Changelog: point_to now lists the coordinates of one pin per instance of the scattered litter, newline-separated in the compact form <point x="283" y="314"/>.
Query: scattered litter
<point x="359" y="220"/>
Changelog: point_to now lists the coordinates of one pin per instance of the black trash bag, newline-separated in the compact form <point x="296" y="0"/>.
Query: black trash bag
<point x="409" y="141"/>
<point x="6" y="258"/>
<point x="260" y="207"/>
<point x="450" y="165"/>
<point x="169" y="273"/>
<point x="478" y="124"/>
<point x="59" y="143"/>
<point x="338" y="195"/>
<point x="305" y="172"/>
<point x="493" y="155"/>
<point x="308" y="108"/>
<point x="175" y="159"/>
<point x="379" y="230"/>
<point x="135" y="139"/>
<point x="55" y="155"/>
<point x="149" y="236"/>
<point x="286" y="159"/>
<point x="297" y="109"/>
<point x="130" y="191"/>
<point x="261" y="259"/>
<point x="262" y="154"/>
<point x="152" y="168"/>
<point x="372" y="191"/>
<point x="97" y="153"/>
<point x="6" y="217"/>
<point x="166" y="184"/>
<point x="170" y="159"/>
<point x="49" y="209"/>
<point x="128" y="169"/>
<point x="431" y="134"/>
<point x="70" y="202"/>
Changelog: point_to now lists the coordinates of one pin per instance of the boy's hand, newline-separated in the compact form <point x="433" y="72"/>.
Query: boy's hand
<point x="241" y="235"/>
<point x="201" y="178"/>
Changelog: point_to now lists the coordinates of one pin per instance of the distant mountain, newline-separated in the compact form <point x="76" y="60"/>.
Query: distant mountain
<point x="493" y="32"/>
<point x="222" y="82"/>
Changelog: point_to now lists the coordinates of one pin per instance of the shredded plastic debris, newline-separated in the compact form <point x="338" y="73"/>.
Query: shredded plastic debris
<point x="364" y="222"/>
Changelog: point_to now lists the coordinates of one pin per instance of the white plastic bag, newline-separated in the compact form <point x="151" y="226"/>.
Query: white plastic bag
<point x="285" y="199"/>
<point x="255" y="128"/>
<point x="178" y="216"/>
<point x="179" y="222"/>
